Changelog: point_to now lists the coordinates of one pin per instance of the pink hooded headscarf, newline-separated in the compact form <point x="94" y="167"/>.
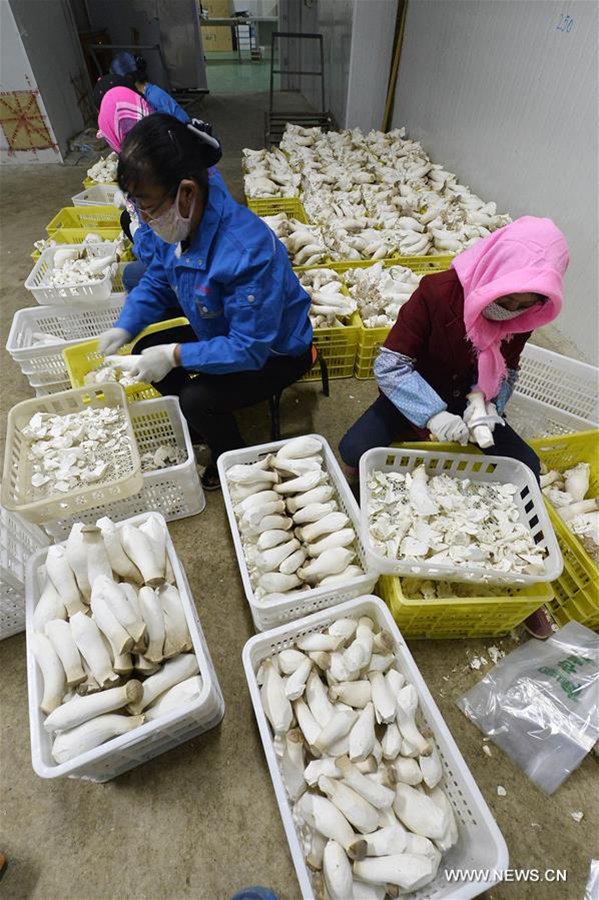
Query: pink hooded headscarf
<point x="120" y="109"/>
<point x="530" y="255"/>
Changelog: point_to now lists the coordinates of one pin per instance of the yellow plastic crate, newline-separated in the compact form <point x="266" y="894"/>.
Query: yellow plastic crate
<point x="78" y="235"/>
<point x="448" y="446"/>
<point x="423" y="265"/>
<point x="576" y="591"/>
<point x="369" y="341"/>
<point x="338" y="348"/>
<point x="463" y="617"/>
<point x="372" y="338"/>
<point x="84" y="358"/>
<point x="89" y="182"/>
<point x="337" y="345"/>
<point x="272" y="206"/>
<point x="89" y="217"/>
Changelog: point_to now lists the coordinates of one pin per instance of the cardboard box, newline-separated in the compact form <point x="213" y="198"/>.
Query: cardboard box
<point x="217" y="9"/>
<point x="217" y="38"/>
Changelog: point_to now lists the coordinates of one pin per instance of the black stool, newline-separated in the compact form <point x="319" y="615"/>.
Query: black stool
<point x="274" y="403"/>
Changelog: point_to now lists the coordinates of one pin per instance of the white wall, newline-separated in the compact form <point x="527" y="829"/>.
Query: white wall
<point x="16" y="75"/>
<point x="334" y="20"/>
<point x="370" y="61"/>
<point x="52" y="46"/>
<point x="357" y="44"/>
<point x="501" y="96"/>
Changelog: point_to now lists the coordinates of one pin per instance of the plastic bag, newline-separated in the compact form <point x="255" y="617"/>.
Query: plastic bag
<point x="540" y="704"/>
<point x="592" y="888"/>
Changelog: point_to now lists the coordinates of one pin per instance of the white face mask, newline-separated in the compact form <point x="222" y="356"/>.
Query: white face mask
<point x="497" y="313"/>
<point x="171" y="226"/>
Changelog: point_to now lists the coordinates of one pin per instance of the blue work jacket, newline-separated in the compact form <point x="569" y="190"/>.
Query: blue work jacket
<point x="144" y="239"/>
<point x="236" y="286"/>
<point x="162" y="102"/>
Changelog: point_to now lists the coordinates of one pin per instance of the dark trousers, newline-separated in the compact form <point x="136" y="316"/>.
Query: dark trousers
<point x="208" y="401"/>
<point x="382" y="424"/>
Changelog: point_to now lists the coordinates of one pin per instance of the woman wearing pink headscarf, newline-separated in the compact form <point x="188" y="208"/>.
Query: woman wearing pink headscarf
<point x="120" y="109"/>
<point x="464" y="330"/>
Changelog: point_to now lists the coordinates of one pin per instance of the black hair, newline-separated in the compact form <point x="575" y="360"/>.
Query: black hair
<point x="163" y="150"/>
<point x="108" y="82"/>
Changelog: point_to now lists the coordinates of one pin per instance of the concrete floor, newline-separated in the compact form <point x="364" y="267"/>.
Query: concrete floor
<point x="232" y="77"/>
<point x="201" y="821"/>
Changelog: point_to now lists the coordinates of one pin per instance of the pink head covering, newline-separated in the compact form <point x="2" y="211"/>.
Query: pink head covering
<point x="530" y="255"/>
<point x="120" y="109"/>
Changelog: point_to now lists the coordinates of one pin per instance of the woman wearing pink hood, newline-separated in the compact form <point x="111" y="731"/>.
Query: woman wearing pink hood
<point x="464" y="330"/>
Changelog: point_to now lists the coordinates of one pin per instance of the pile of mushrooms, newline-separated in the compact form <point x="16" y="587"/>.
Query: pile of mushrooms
<point x="267" y="174"/>
<point x="162" y="457"/>
<point x="568" y="494"/>
<point x="104" y="170"/>
<point x="294" y="535"/>
<point x="380" y="292"/>
<point x="331" y="304"/>
<point x="73" y="450"/>
<point x="110" y="635"/>
<point x="304" y="243"/>
<point x="450" y="521"/>
<point x="363" y="775"/>
<point x="76" y="265"/>
<point x="376" y="195"/>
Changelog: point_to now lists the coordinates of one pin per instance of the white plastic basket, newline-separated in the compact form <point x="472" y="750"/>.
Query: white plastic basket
<point x="480" y="843"/>
<point x="475" y="467"/>
<point x="123" y="478"/>
<point x="96" y="195"/>
<point x="270" y="613"/>
<point x="175" y="492"/>
<point x="18" y="540"/>
<point x="46" y="390"/>
<point x="45" y="364"/>
<point x="100" y="289"/>
<point x="149" y="740"/>
<point x="559" y="382"/>
<point x="533" y="419"/>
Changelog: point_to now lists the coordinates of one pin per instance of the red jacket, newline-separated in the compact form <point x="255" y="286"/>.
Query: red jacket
<point x="430" y="330"/>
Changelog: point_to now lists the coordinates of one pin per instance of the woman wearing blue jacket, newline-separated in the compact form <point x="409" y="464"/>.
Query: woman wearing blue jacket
<point x="129" y="71"/>
<point x="249" y="334"/>
<point x="134" y="68"/>
<point x="133" y="71"/>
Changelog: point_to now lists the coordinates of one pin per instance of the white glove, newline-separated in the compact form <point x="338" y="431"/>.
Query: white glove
<point x="112" y="340"/>
<point x="134" y="222"/>
<point x="120" y="201"/>
<point x="446" y="426"/>
<point x="152" y="364"/>
<point x="490" y="419"/>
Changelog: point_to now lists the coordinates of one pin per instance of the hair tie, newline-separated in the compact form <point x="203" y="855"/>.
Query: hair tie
<point x="201" y="129"/>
